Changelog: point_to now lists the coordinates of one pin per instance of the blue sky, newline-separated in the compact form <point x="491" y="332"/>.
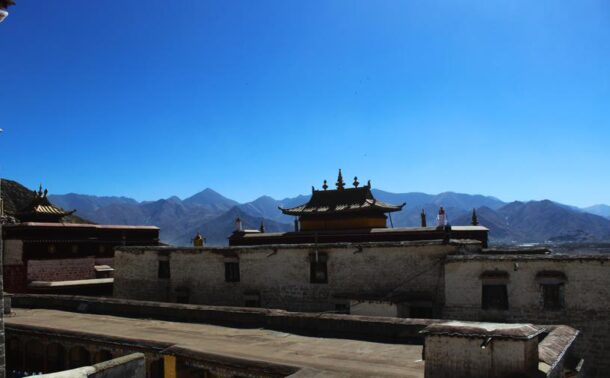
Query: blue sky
<point x="154" y="98"/>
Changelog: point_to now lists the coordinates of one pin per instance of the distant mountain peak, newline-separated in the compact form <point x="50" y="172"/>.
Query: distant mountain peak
<point x="210" y="197"/>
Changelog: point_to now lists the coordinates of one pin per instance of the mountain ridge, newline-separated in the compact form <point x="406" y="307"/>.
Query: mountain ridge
<point x="209" y="212"/>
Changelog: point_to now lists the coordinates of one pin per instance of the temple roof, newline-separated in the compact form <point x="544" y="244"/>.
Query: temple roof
<point x="342" y="200"/>
<point x="41" y="209"/>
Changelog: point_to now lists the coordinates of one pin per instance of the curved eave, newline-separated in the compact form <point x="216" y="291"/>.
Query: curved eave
<point x="382" y="207"/>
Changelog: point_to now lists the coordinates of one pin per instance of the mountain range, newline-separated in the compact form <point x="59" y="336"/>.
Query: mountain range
<point x="214" y="215"/>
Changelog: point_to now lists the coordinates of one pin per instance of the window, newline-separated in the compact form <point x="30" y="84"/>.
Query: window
<point x="182" y="295"/>
<point x="552" y="284"/>
<point x="420" y="312"/>
<point x="495" y="297"/>
<point x="318" y="272"/>
<point x="231" y="271"/>
<point x="342" y="308"/>
<point x="252" y="299"/>
<point x="552" y="296"/>
<point x="163" y="269"/>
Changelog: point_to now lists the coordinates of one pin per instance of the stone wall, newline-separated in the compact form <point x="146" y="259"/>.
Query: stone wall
<point x="61" y="269"/>
<point x="129" y="366"/>
<point x="279" y="276"/>
<point x="586" y="297"/>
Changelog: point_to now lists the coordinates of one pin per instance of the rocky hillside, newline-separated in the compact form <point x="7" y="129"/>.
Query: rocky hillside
<point x="541" y="221"/>
<point x="16" y="196"/>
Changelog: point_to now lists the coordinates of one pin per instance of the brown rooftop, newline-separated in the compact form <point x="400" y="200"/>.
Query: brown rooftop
<point x="41" y="209"/>
<point x="342" y="201"/>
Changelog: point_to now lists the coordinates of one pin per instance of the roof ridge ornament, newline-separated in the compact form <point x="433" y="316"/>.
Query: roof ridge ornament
<point x="340" y="184"/>
<point x="356" y="183"/>
<point x="325" y="185"/>
<point x="475" y="220"/>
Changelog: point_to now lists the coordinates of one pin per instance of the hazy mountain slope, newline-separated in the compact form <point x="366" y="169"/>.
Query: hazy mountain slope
<point x="601" y="210"/>
<point x="87" y="205"/>
<point x="541" y="221"/>
<point x="493" y="220"/>
<point x="446" y="199"/>
<point x="217" y="230"/>
<point x="267" y="207"/>
<point x="544" y="220"/>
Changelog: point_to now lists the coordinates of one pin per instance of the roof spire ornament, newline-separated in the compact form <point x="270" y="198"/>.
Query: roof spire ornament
<point x="368" y="184"/>
<point x="340" y="184"/>
<point x="356" y="183"/>
<point x="325" y="185"/>
<point x="475" y="220"/>
<point x="40" y="190"/>
<point x="262" y="227"/>
<point x="424" y="223"/>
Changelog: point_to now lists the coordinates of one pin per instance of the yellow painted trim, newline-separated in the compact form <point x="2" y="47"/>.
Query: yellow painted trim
<point x="169" y="366"/>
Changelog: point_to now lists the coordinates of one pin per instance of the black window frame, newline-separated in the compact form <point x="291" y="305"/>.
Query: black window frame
<point x="163" y="270"/>
<point x="232" y="273"/>
<point x="553" y="298"/>
<point x="494" y="296"/>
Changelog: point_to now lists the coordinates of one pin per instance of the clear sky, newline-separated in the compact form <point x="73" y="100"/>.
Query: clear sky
<point x="153" y="98"/>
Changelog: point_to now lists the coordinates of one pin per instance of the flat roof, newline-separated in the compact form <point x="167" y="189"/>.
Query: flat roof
<point x="338" y="245"/>
<point x="79" y="225"/>
<point x="92" y="281"/>
<point x="259" y="234"/>
<point x="335" y="356"/>
<point x="526" y="257"/>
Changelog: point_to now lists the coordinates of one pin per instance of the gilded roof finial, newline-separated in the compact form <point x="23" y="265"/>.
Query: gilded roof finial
<point x="340" y="184"/>
<point x="325" y="185"/>
<point x="356" y="183"/>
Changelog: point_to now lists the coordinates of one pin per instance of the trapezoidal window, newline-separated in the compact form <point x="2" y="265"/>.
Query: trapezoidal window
<point x="163" y="271"/>
<point x="552" y="285"/>
<point x="552" y="296"/>
<point x="494" y="290"/>
<point x="495" y="297"/>
<point x="231" y="271"/>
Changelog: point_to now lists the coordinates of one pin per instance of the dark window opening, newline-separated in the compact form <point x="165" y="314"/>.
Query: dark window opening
<point x="252" y="299"/>
<point x="318" y="272"/>
<point x="495" y="297"/>
<point x="420" y="312"/>
<point x="552" y="296"/>
<point x="232" y="272"/>
<point x="341" y="308"/>
<point x="163" y="269"/>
